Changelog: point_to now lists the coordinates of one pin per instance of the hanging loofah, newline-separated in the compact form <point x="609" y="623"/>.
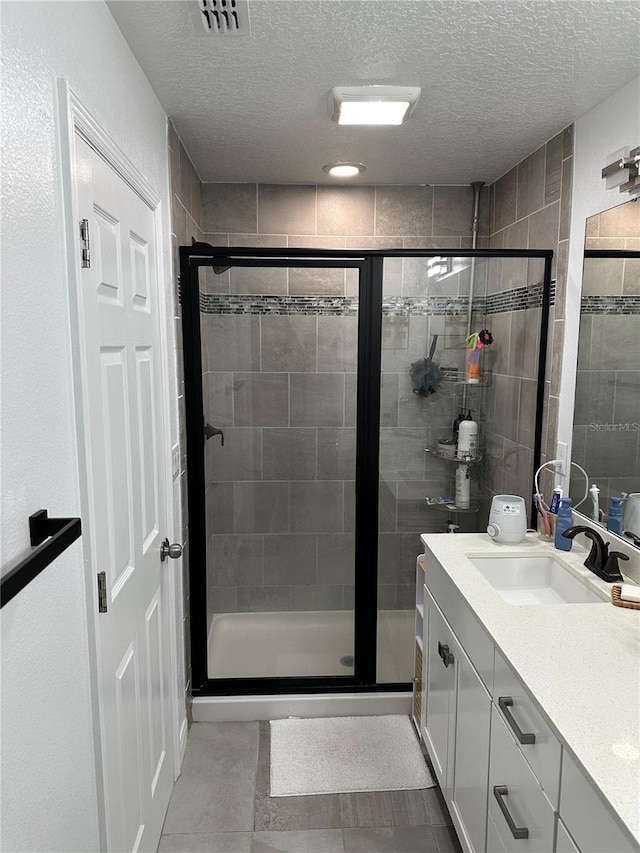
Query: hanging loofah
<point x="426" y="374"/>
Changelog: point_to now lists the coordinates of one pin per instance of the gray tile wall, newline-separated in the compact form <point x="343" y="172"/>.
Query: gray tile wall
<point x="185" y="224"/>
<point x="284" y="386"/>
<point x="530" y="208"/>
<point x="510" y="405"/>
<point x="606" y="438"/>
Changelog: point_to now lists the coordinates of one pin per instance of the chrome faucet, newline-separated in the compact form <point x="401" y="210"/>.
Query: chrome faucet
<point x="600" y="561"/>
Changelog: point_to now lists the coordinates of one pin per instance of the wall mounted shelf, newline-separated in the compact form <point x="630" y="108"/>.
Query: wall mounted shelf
<point x="439" y="503"/>
<point x="433" y="451"/>
<point x="454" y="376"/>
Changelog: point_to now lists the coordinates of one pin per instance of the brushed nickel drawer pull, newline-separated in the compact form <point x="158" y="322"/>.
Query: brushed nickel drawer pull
<point x="499" y="792"/>
<point x="505" y="702"/>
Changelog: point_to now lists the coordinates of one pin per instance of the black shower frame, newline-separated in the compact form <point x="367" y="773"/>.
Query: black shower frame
<point x="370" y="264"/>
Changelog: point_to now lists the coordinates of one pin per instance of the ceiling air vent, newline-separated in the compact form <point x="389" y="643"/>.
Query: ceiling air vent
<point x="222" y="17"/>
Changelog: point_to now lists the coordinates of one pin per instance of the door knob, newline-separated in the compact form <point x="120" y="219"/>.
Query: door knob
<point x="174" y="551"/>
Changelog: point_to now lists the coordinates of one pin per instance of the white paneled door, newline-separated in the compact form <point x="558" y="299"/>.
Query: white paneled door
<point x="120" y="335"/>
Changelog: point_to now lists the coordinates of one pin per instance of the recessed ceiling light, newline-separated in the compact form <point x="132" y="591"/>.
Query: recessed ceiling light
<point x="373" y="105"/>
<point x="344" y="170"/>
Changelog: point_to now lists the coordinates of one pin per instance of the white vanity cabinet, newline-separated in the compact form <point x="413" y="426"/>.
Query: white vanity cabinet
<point x="592" y="826"/>
<point x="510" y="784"/>
<point x="457" y="726"/>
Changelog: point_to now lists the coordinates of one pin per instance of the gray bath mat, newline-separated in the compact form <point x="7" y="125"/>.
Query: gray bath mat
<point x="339" y="755"/>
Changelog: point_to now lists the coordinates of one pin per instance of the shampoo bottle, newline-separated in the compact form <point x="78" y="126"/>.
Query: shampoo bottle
<point x="472" y="367"/>
<point x="563" y="522"/>
<point x="463" y="487"/>
<point x="614" y="519"/>
<point x="467" y="438"/>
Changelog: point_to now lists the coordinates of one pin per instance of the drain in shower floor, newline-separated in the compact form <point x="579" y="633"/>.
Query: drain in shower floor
<point x="346" y="660"/>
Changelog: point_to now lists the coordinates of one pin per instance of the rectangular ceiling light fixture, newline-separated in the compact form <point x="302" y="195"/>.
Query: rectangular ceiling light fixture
<point x="373" y="104"/>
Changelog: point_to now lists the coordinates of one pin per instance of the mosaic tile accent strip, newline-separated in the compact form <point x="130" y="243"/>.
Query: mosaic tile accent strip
<point x="424" y="305"/>
<point x="610" y="304"/>
<point x="232" y="304"/>
<point x="495" y="303"/>
<point x="518" y="299"/>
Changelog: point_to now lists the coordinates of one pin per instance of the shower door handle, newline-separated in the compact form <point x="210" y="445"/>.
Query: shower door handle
<point x="210" y="431"/>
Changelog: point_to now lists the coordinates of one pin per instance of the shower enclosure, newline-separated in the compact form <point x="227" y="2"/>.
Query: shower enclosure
<point x="310" y="456"/>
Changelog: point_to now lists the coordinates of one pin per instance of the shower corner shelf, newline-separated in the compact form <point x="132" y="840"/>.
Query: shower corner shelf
<point x="443" y="503"/>
<point x="433" y="451"/>
<point x="453" y="376"/>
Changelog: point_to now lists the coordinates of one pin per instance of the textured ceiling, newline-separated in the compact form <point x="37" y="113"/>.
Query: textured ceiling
<point x="498" y="78"/>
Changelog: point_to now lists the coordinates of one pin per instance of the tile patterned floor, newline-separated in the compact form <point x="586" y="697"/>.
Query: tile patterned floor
<point x="221" y="804"/>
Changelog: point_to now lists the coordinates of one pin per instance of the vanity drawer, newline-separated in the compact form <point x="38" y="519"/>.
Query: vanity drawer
<point x="517" y="803"/>
<point x="564" y="844"/>
<point x="470" y="633"/>
<point x="494" y="842"/>
<point x="587" y="818"/>
<point x="512" y="700"/>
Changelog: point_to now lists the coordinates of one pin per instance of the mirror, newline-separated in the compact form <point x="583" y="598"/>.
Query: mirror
<point x="606" y="427"/>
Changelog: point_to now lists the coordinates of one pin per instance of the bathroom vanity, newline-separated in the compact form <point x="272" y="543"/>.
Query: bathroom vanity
<point x="529" y="710"/>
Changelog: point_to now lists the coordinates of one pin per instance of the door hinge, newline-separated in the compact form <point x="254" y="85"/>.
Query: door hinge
<point x="102" y="592"/>
<point x="84" y="238"/>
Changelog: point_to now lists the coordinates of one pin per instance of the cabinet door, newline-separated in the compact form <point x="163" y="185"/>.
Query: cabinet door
<point x="418" y="690"/>
<point x="471" y="763"/>
<point x="441" y="673"/>
<point x="425" y="665"/>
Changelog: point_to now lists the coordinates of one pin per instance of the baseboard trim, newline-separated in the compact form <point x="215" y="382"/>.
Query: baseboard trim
<point x="221" y="709"/>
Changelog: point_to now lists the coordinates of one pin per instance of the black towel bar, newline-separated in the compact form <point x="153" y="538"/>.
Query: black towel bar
<point x="49" y="538"/>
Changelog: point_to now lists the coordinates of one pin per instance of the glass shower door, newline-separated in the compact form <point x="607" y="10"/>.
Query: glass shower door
<point x="279" y="366"/>
<point x="307" y="497"/>
<point x="425" y="309"/>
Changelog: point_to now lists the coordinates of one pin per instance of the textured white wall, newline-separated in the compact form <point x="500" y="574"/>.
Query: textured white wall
<point x="49" y="799"/>
<point x="611" y="125"/>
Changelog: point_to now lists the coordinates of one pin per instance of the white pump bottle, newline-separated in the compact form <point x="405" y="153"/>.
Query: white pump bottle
<point x="467" y="440"/>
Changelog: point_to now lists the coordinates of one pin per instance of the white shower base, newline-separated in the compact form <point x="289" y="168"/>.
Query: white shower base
<point x="246" y="645"/>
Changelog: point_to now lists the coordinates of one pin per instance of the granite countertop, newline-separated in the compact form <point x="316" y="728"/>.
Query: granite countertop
<point x="581" y="662"/>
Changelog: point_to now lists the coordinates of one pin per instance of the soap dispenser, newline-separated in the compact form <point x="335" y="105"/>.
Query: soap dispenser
<point x="456" y="425"/>
<point x="563" y="522"/>
<point x="614" y="519"/>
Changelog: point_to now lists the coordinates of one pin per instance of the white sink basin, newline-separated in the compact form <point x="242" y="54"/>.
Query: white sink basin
<point x="535" y="580"/>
